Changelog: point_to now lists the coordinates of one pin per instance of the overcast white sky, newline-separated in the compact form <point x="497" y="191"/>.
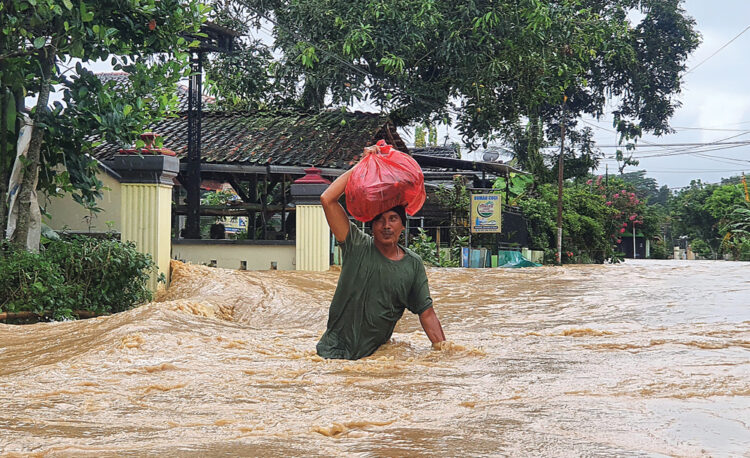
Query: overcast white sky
<point x="715" y="105"/>
<point x="716" y="95"/>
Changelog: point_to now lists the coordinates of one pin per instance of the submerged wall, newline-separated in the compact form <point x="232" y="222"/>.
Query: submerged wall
<point x="237" y="254"/>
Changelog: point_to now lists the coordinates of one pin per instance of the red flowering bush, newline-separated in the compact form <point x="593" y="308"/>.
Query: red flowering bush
<point x="628" y="207"/>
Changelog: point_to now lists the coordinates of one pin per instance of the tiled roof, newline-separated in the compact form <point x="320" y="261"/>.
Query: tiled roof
<point x="328" y="139"/>
<point x="122" y="82"/>
<point x="436" y="151"/>
<point x="120" y="78"/>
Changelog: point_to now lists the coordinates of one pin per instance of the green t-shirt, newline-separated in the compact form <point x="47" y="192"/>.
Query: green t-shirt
<point x="370" y="297"/>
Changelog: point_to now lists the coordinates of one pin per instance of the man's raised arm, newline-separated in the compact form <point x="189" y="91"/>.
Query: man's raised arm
<point x="335" y="213"/>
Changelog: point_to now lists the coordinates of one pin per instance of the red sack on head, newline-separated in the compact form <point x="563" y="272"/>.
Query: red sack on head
<point x="382" y="181"/>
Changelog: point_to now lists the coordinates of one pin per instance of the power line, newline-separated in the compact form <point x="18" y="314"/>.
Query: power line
<point x="702" y="183"/>
<point x="739" y="123"/>
<point x="719" y="158"/>
<point x="698" y="171"/>
<point x="712" y="129"/>
<point x="684" y="152"/>
<point x="669" y="150"/>
<point x="716" y="128"/>
<point x="689" y="151"/>
<point x="666" y="145"/>
<point x="717" y="51"/>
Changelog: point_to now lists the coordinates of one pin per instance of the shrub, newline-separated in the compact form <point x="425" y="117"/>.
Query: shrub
<point x="423" y="245"/>
<point x="744" y="251"/>
<point x="105" y="276"/>
<point x="540" y="218"/>
<point x="659" y="250"/>
<point x="80" y="273"/>
<point x="702" y="249"/>
<point x="28" y="282"/>
<point x="738" y="250"/>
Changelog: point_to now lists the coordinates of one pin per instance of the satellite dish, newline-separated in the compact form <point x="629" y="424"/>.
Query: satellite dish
<point x="490" y="156"/>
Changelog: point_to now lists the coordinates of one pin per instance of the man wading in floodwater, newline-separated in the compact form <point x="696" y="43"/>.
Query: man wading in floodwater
<point x="379" y="279"/>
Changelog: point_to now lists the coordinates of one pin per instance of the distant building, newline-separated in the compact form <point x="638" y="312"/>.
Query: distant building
<point x="447" y="152"/>
<point x="642" y="245"/>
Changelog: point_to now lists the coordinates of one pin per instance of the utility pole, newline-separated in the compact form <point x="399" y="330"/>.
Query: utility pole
<point x="606" y="176"/>
<point x="560" y="183"/>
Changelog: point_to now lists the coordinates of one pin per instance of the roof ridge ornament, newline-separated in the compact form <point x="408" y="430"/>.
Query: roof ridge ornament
<point x="313" y="175"/>
<point x="148" y="138"/>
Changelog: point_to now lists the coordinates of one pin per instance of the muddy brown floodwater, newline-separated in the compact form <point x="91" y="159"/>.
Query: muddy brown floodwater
<point x="641" y="358"/>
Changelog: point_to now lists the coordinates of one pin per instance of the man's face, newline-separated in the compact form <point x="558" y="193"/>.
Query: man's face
<point x="387" y="228"/>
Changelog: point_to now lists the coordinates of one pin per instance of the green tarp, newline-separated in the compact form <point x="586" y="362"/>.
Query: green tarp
<point x="513" y="259"/>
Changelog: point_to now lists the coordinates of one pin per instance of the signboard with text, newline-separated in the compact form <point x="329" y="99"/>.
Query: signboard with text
<point x="485" y="213"/>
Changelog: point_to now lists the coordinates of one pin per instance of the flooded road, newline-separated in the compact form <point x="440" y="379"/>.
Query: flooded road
<point x="642" y="358"/>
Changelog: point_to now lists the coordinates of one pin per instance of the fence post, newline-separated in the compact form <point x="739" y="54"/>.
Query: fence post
<point x="312" y="247"/>
<point x="146" y="202"/>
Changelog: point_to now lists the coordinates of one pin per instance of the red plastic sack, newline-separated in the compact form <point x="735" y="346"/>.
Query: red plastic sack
<point x="383" y="180"/>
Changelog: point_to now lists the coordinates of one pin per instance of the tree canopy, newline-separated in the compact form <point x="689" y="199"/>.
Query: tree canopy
<point x="43" y="42"/>
<point x="704" y="213"/>
<point x="497" y="69"/>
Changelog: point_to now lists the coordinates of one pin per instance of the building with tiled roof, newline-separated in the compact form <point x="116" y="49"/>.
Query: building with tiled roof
<point x="448" y="152"/>
<point x="329" y="140"/>
<point x="260" y="153"/>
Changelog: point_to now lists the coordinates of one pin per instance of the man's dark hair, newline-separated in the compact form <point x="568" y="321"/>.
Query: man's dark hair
<point x="399" y="209"/>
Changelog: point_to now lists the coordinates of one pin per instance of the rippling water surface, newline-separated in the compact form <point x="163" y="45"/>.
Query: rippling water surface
<point x="641" y="358"/>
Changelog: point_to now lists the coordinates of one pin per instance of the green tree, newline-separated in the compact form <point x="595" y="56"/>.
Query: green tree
<point x="737" y="230"/>
<point x="588" y="223"/>
<point x="515" y="186"/>
<point x="706" y="213"/>
<point x="644" y="186"/>
<point x="498" y="69"/>
<point x="737" y="179"/>
<point x="662" y="196"/>
<point x="246" y="78"/>
<point x="625" y="159"/>
<point x="425" y="135"/>
<point x="724" y="199"/>
<point x="691" y="217"/>
<point x="42" y="43"/>
<point x="727" y="204"/>
<point x="419" y="136"/>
